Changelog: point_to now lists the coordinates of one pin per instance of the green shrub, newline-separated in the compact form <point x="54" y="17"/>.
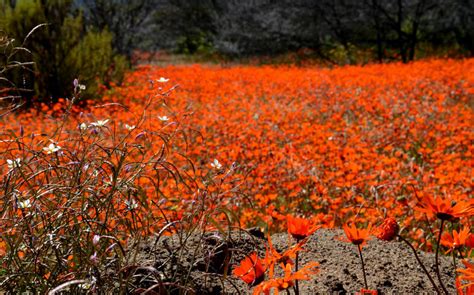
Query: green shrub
<point x="194" y="43"/>
<point x="63" y="49"/>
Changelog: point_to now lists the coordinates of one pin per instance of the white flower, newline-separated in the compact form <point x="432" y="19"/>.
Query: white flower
<point x="14" y="163"/>
<point x="95" y="239"/>
<point x="88" y="284"/>
<point x="85" y="286"/>
<point x="130" y="128"/>
<point x="100" y="123"/>
<point x="163" y="118"/>
<point x="216" y="164"/>
<point x="82" y="87"/>
<point x="162" y="80"/>
<point x="83" y="126"/>
<point x="131" y="204"/>
<point x="24" y="204"/>
<point x="51" y="148"/>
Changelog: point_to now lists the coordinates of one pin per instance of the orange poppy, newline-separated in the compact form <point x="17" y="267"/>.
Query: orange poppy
<point x="356" y="235"/>
<point x="388" y="230"/>
<point x="250" y="269"/>
<point x="446" y="209"/>
<point x="300" y="228"/>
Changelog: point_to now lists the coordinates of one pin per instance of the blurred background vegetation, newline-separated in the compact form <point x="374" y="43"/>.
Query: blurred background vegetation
<point x="96" y="40"/>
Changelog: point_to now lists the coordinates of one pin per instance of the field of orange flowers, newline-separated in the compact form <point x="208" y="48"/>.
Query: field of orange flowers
<point x="337" y="145"/>
<point x="352" y="141"/>
<point x="366" y="141"/>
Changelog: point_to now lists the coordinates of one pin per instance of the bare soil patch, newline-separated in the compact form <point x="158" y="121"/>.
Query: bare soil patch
<point x="199" y="262"/>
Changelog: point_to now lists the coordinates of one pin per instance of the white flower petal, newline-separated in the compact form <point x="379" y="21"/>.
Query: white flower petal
<point x="162" y="80"/>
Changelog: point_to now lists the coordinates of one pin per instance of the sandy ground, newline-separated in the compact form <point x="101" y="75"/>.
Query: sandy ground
<point x="200" y="261"/>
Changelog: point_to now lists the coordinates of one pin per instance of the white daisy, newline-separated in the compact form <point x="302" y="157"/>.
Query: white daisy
<point x="100" y="123"/>
<point x="51" y="148"/>
<point x="216" y="164"/>
<point x="24" y="204"/>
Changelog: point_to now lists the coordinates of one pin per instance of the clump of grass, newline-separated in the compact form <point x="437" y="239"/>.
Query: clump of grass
<point x="76" y="204"/>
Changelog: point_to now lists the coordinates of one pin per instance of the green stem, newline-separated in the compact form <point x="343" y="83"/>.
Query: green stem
<point x="363" y="266"/>
<point x="438" y="274"/>
<point x="420" y="263"/>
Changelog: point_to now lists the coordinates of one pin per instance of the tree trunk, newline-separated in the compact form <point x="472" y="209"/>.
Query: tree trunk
<point x="401" y="37"/>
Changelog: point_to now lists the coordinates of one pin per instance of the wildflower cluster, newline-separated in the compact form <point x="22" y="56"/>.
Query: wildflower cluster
<point x="252" y="269"/>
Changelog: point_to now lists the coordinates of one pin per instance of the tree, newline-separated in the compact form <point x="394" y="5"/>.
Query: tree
<point x="188" y="25"/>
<point x="463" y="25"/>
<point x="266" y="27"/>
<point x="126" y="20"/>
<point x="62" y="49"/>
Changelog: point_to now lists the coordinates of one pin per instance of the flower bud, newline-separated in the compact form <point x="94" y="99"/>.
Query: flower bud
<point x="388" y="230"/>
<point x="95" y="240"/>
<point x="94" y="259"/>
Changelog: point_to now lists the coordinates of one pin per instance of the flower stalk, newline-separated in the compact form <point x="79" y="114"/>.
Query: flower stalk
<point x="438" y="274"/>
<point x="420" y="263"/>
<point x="363" y="266"/>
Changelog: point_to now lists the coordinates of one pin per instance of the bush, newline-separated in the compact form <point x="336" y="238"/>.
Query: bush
<point x="63" y="49"/>
<point x="198" y="42"/>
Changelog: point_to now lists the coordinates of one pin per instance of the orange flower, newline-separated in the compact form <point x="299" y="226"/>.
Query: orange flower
<point x="470" y="241"/>
<point x="288" y="280"/>
<point x="388" y="230"/>
<point x="357" y="236"/>
<point x="367" y="292"/>
<point x="300" y="228"/>
<point x="272" y="256"/>
<point x="446" y="209"/>
<point x="467" y="274"/>
<point x="250" y="269"/>
<point x="464" y="290"/>
<point x="457" y="240"/>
